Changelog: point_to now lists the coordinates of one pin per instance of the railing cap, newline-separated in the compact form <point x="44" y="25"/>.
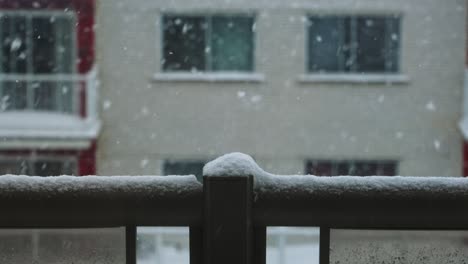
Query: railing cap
<point x="233" y="164"/>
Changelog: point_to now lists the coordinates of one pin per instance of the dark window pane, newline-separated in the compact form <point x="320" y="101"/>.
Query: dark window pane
<point x="232" y="44"/>
<point x="365" y="168"/>
<point x="64" y="48"/>
<point x="184" y="43"/>
<point x="393" y="44"/>
<point x="343" y="168"/>
<point x="14" y="96"/>
<point x="319" y="168"/>
<point x="45" y="95"/>
<point x="326" y="44"/>
<point x="184" y="168"/>
<point x="53" y="168"/>
<point x="43" y="45"/>
<point x="16" y="167"/>
<point x="13" y="35"/>
<point x="351" y="168"/>
<point x="371" y="37"/>
<point x="65" y="97"/>
<point x="388" y="169"/>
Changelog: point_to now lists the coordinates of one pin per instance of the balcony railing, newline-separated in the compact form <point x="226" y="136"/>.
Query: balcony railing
<point x="74" y="94"/>
<point x="228" y="214"/>
<point x="49" y="106"/>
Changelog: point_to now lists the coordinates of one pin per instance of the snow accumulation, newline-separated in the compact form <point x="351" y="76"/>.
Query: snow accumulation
<point x="210" y="77"/>
<point x="239" y="164"/>
<point x="236" y="164"/>
<point x="105" y="186"/>
<point x="233" y="164"/>
<point x="24" y="124"/>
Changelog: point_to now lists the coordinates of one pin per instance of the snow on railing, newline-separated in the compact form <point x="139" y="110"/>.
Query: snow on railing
<point x="99" y="201"/>
<point x="229" y="214"/>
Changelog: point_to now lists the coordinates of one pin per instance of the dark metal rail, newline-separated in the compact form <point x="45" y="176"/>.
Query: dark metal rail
<point x="229" y="214"/>
<point x="104" y="201"/>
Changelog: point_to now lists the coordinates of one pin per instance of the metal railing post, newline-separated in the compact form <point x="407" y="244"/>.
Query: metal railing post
<point x="324" y="250"/>
<point x="130" y="244"/>
<point x="228" y="229"/>
<point x="260" y="237"/>
<point x="196" y="245"/>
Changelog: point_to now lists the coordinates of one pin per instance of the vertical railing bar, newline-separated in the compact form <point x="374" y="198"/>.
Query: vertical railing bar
<point x="260" y="235"/>
<point x="130" y="244"/>
<point x="196" y="245"/>
<point x="324" y="245"/>
<point x="227" y="227"/>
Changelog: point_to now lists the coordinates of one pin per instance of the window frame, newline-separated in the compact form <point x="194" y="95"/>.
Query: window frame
<point x="30" y="78"/>
<point x="33" y="158"/>
<point x="350" y="162"/>
<point x="211" y="74"/>
<point x="183" y="162"/>
<point x="378" y="76"/>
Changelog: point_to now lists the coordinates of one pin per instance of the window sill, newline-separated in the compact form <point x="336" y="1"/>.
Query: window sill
<point x="209" y="77"/>
<point x="46" y="125"/>
<point x="355" y="78"/>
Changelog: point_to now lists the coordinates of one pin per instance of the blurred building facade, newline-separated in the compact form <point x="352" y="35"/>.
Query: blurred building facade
<point x="358" y="87"/>
<point x="48" y="115"/>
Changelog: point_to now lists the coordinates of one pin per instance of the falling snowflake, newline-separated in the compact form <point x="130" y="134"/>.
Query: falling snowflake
<point x="15" y="44"/>
<point x="144" y="163"/>
<point x="106" y="104"/>
<point x="241" y="94"/>
<point x="430" y="106"/>
<point x="437" y="144"/>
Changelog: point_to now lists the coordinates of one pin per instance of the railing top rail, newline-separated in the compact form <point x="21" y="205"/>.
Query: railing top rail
<point x="95" y="201"/>
<point x="350" y="202"/>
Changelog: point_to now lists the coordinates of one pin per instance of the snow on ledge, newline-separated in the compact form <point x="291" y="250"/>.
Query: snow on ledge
<point x="233" y="164"/>
<point x="35" y="124"/>
<point x="239" y="164"/>
<point x="31" y="187"/>
<point x="236" y="164"/>
<point x="208" y="77"/>
<point x="354" y="78"/>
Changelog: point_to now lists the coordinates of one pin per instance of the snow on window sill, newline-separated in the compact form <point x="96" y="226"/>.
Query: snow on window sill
<point x="35" y="124"/>
<point x="208" y="77"/>
<point x="355" y="78"/>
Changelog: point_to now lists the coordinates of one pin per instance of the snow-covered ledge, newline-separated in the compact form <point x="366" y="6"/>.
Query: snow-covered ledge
<point x="21" y="129"/>
<point x="355" y="78"/>
<point x="391" y="187"/>
<point x="208" y="77"/>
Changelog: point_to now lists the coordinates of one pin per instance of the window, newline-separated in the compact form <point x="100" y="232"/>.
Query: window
<point x="184" y="168"/>
<point x="38" y="166"/>
<point x="362" y="44"/>
<point x="36" y="44"/>
<point x="208" y="43"/>
<point x="352" y="168"/>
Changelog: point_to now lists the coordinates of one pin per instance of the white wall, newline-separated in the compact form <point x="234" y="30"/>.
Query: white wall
<point x="292" y="121"/>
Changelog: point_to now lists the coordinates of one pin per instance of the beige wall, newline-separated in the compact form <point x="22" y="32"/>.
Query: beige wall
<point x="147" y="121"/>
